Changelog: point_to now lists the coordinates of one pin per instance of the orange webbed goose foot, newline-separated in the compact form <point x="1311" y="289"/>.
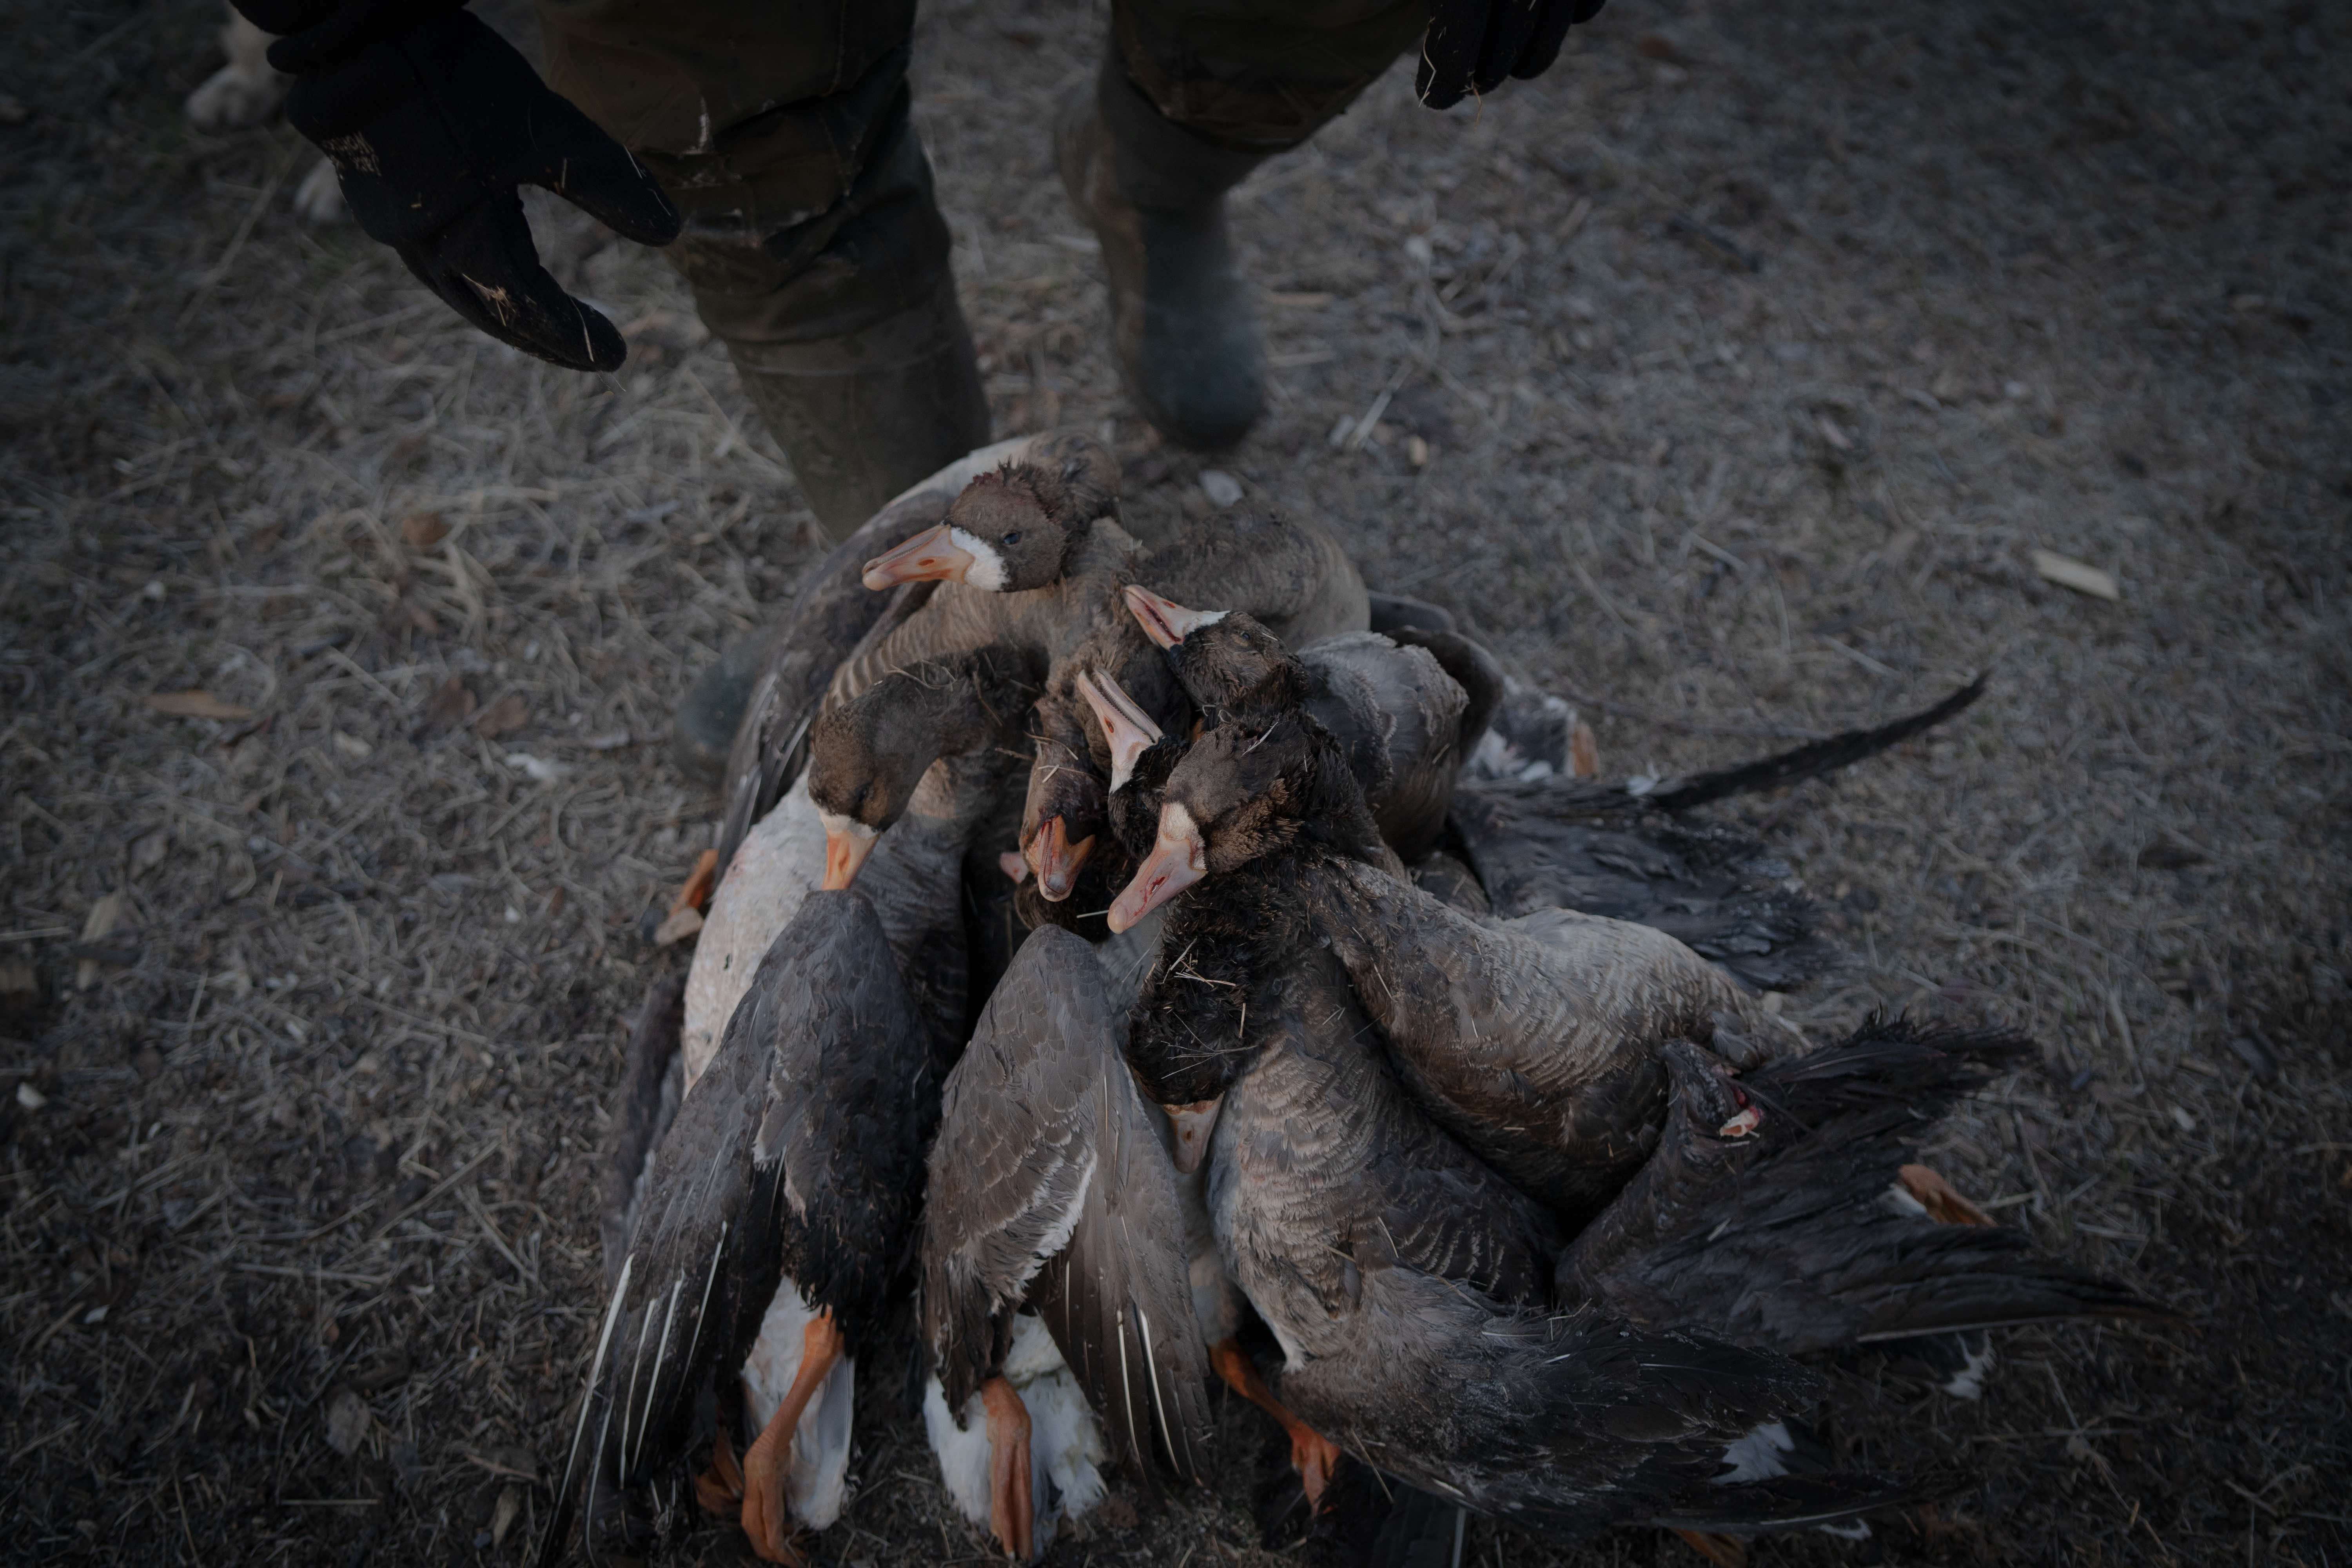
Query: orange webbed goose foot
<point x="1314" y="1457"/>
<point x="768" y="1462"/>
<point x="1011" y="1510"/>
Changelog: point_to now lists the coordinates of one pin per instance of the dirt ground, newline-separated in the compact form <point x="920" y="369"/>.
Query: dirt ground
<point x="1728" y="379"/>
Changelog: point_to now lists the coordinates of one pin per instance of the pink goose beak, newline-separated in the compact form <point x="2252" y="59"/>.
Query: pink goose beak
<point x="1164" y="621"/>
<point x="1178" y="858"/>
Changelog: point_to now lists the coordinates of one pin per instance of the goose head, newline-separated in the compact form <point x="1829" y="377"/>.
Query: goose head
<point x="1245" y="791"/>
<point x="868" y="755"/>
<point x="1012" y="528"/>
<point x="1141" y="758"/>
<point x="1063" y="815"/>
<point x="1226" y="660"/>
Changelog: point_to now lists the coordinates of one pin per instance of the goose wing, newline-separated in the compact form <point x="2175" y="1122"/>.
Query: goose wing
<point x="1793" y="1237"/>
<point x="643" y="1107"/>
<point x="1565" y="844"/>
<point x="1050" y="1186"/>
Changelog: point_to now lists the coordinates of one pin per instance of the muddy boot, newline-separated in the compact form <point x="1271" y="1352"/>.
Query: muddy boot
<point x="1183" y="330"/>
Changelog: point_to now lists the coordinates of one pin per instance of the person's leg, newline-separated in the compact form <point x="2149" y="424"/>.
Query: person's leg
<point x="813" y="246"/>
<point x="1193" y="95"/>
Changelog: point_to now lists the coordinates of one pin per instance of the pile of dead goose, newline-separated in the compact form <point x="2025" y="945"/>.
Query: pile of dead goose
<point x="1124" y="950"/>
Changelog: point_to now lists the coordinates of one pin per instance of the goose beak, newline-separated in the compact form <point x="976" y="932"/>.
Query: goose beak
<point x="847" y="842"/>
<point x="1056" y="860"/>
<point x="934" y="555"/>
<point x="1179" y="860"/>
<point x="1127" y="728"/>
<point x="1165" y="621"/>
<point x="1193" y="1124"/>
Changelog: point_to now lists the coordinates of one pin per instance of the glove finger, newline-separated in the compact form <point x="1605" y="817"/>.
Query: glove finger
<point x="485" y="267"/>
<point x="1509" y="25"/>
<point x="1544" y="46"/>
<point x="574" y="157"/>
<point x="1449" y="52"/>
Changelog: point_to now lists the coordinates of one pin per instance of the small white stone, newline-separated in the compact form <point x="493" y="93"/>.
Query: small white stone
<point x="1220" y="486"/>
<point x="31" y="1099"/>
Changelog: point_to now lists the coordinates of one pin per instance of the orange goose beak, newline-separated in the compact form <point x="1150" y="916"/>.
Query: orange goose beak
<point x="847" y="842"/>
<point x="1164" y="621"/>
<point x="1127" y="728"/>
<point x="1177" y="859"/>
<point x="1056" y="860"/>
<point x="934" y="555"/>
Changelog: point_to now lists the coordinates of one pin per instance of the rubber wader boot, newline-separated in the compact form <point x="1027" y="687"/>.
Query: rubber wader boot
<point x="862" y="419"/>
<point x="1181" y="327"/>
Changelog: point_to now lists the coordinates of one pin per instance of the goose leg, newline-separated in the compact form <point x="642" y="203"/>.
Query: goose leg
<point x="766" y="1463"/>
<point x="1011" y="1501"/>
<point x="1723" y="1551"/>
<point x="1312" y="1454"/>
<point x="1944" y="1204"/>
<point x="719" y="1488"/>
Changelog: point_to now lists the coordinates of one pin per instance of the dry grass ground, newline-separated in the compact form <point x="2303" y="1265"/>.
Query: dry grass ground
<point x="1728" y="379"/>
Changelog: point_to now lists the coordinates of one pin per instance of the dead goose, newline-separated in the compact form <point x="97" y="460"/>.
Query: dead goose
<point x="1536" y="1042"/>
<point x="1053" y="1210"/>
<point x="1402" y="1277"/>
<point x="870" y="756"/>
<point x="870" y="766"/>
<point x="1399" y="715"/>
<point x="776" y="1226"/>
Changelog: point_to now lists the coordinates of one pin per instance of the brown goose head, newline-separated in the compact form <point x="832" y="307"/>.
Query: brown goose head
<point x="1064" y="813"/>
<point x="1226" y="661"/>
<point x="1012" y="528"/>
<point x="866" y="755"/>
<point x="1141" y="758"/>
<point x="1244" y="790"/>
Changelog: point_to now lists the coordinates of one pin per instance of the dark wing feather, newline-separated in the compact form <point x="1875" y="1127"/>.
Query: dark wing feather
<point x="1559" y="843"/>
<point x="1789" y="1238"/>
<point x="643" y="1105"/>
<point x="1009" y="1169"/>
<point x="1810" y="760"/>
<point x="1572" y="1421"/>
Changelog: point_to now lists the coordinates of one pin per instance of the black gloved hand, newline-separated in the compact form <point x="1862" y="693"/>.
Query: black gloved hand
<point x="1472" y="45"/>
<point x="432" y="121"/>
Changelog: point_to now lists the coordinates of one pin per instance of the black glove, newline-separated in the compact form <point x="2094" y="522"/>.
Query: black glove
<point x="1472" y="45"/>
<point x="432" y="120"/>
